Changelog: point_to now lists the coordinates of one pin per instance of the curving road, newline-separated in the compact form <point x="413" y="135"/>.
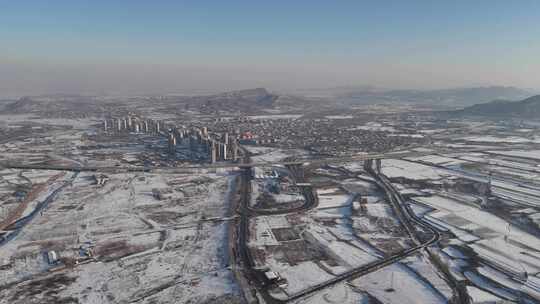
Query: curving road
<point x="406" y="216"/>
<point x="408" y="220"/>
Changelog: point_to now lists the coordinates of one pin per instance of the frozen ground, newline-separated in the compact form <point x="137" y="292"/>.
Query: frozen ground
<point x="342" y="293"/>
<point x="339" y="117"/>
<point x="440" y="160"/>
<point x="500" y="139"/>
<point x="17" y="119"/>
<point x="374" y="126"/>
<point x="399" y="168"/>
<point x="354" y="166"/>
<point x="144" y="249"/>
<point x="398" y="284"/>
<point x="276" y="116"/>
<point x="479" y="296"/>
<point x="492" y="239"/>
<point x="333" y="200"/>
<point x="533" y="154"/>
<point x="264" y="154"/>
<point x="474" y="219"/>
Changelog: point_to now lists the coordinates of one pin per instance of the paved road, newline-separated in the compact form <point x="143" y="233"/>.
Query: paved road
<point x="410" y="220"/>
<point x="191" y="168"/>
<point x="407" y="221"/>
<point x="246" y="213"/>
<point x="248" y="262"/>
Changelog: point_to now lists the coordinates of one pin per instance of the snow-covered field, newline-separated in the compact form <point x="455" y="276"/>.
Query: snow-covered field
<point x="301" y="275"/>
<point x="143" y="247"/>
<point x="533" y="154"/>
<point x="81" y="124"/>
<point x="275" y="116"/>
<point x="439" y="160"/>
<point x="393" y="168"/>
<point x="341" y="293"/>
<point x="352" y="254"/>
<point x="497" y="139"/>
<point x="398" y="284"/>
<point x="272" y="155"/>
<point x="492" y="238"/>
<point x="375" y="126"/>
<point x="479" y="296"/>
<point x="339" y="117"/>
<point x="333" y="200"/>
<point x="354" y="166"/>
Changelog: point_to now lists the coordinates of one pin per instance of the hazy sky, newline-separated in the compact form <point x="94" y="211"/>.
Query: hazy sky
<point x="179" y="46"/>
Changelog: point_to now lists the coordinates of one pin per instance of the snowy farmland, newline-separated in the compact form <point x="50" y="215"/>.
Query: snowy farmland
<point x="494" y="240"/>
<point x="141" y="245"/>
<point x="394" y="168"/>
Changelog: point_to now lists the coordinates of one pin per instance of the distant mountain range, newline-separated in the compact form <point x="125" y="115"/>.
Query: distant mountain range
<point x="458" y="97"/>
<point x="49" y="103"/>
<point x="241" y="100"/>
<point x="526" y="108"/>
<point x="475" y="101"/>
<point x="249" y="97"/>
<point x="247" y="100"/>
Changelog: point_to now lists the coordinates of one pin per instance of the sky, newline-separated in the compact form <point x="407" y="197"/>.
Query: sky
<point x="174" y="46"/>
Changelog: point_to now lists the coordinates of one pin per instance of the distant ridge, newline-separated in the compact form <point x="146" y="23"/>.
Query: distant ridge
<point x="259" y="96"/>
<point x="24" y="104"/>
<point x="526" y="108"/>
<point x="249" y="99"/>
<point x="454" y="97"/>
<point x="49" y="103"/>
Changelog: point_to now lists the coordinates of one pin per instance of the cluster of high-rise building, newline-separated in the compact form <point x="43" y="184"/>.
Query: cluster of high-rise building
<point x="199" y="142"/>
<point x="131" y="123"/>
<point x="220" y="147"/>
